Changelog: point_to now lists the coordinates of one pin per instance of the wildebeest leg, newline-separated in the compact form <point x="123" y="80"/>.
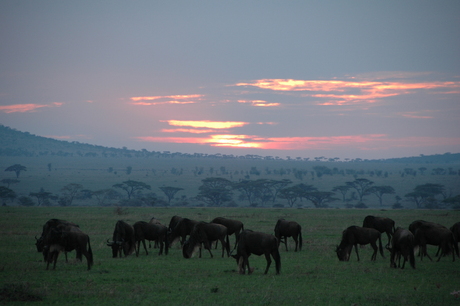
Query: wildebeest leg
<point x="269" y="262"/>
<point x="285" y="242"/>
<point x="161" y="246"/>
<point x="374" y="255"/>
<point x="356" y="249"/>
<point x="296" y="242"/>
<point x="145" y="248"/>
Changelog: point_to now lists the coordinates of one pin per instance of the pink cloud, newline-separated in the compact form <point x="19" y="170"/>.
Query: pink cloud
<point x="24" y="108"/>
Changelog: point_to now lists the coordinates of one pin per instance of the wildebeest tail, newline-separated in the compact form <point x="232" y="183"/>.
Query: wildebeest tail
<point x="90" y="255"/>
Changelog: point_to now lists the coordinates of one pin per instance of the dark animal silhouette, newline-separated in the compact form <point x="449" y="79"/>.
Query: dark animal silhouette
<point x="173" y="222"/>
<point x="286" y="229"/>
<point x="455" y="229"/>
<point x="47" y="227"/>
<point x="382" y="224"/>
<point x="233" y="227"/>
<point x="402" y="244"/>
<point x="152" y="232"/>
<point x="60" y="240"/>
<point x="154" y="220"/>
<point x="354" y="235"/>
<point x="259" y="244"/>
<point x="435" y="235"/>
<point x="205" y="233"/>
<point x="123" y="239"/>
<point x="181" y="230"/>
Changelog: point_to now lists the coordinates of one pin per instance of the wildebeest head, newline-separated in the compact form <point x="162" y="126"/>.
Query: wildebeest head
<point x="116" y="246"/>
<point x="343" y="252"/>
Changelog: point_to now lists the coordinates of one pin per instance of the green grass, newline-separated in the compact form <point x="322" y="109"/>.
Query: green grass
<point x="313" y="276"/>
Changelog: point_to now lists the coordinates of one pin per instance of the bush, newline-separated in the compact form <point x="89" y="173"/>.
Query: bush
<point x="361" y="205"/>
<point x="25" y="201"/>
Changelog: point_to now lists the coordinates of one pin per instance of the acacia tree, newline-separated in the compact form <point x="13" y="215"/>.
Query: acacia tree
<point x="43" y="197"/>
<point x="9" y="182"/>
<point x="215" y="191"/>
<point x="105" y="194"/>
<point x="291" y="194"/>
<point x="69" y="191"/>
<point x="17" y="168"/>
<point x="424" y="194"/>
<point x="321" y="198"/>
<point x="132" y="187"/>
<point x="6" y="194"/>
<point x="170" y="192"/>
<point x="379" y="191"/>
<point x="362" y="187"/>
<point x="343" y="191"/>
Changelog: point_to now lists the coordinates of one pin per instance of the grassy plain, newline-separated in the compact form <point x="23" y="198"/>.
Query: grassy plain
<point x="93" y="174"/>
<point x="313" y="276"/>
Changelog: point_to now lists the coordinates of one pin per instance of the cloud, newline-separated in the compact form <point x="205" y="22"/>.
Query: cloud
<point x="25" y="108"/>
<point x="206" y="124"/>
<point x="171" y="99"/>
<point x="338" y="92"/>
<point x="261" y="103"/>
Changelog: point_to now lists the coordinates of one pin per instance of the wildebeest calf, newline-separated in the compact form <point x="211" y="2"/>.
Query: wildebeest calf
<point x="257" y="243"/>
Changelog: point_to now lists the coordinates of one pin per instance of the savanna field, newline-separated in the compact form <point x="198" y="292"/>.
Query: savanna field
<point x="313" y="276"/>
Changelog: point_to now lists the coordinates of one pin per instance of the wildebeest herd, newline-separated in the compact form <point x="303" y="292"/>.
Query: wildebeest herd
<point x="63" y="236"/>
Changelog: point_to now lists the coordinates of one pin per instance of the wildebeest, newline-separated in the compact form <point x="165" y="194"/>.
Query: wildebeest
<point x="59" y="240"/>
<point x="123" y="239"/>
<point x="53" y="224"/>
<point x="233" y="227"/>
<point x="257" y="243"/>
<point x="152" y="232"/>
<point x="173" y="222"/>
<point x="205" y="233"/>
<point x="455" y="229"/>
<point x="181" y="230"/>
<point x="286" y="229"/>
<point x="402" y="244"/>
<point x="382" y="224"/>
<point x="154" y="220"/>
<point x="354" y="235"/>
<point x="435" y="235"/>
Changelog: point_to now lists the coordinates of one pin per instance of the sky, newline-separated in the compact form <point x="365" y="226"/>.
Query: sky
<point x="346" y="79"/>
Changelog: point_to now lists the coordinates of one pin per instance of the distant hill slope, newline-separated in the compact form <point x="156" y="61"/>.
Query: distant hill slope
<point x="17" y="143"/>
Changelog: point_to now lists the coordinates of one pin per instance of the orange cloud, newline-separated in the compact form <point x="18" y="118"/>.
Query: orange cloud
<point x="338" y="92"/>
<point x="206" y="124"/>
<point x="259" y="103"/>
<point x="177" y="97"/>
<point x="24" y="108"/>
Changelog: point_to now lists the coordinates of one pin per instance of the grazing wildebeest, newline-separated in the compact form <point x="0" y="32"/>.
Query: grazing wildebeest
<point x="154" y="220"/>
<point x="434" y="235"/>
<point x="286" y="229"/>
<point x="59" y="240"/>
<point x="233" y="227"/>
<point x="182" y="229"/>
<point x="123" y="239"/>
<point x="152" y="232"/>
<point x="257" y="243"/>
<point x="402" y="244"/>
<point x="354" y="235"/>
<point x="50" y="224"/>
<point x="455" y="229"/>
<point x="205" y="233"/>
<point x="382" y="224"/>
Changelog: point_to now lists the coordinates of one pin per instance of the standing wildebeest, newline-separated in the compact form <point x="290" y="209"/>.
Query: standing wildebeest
<point x="355" y="235"/>
<point x="286" y="229"/>
<point x="205" y="233"/>
<point x="382" y="224"/>
<point x="60" y="240"/>
<point x="123" y="239"/>
<point x="233" y="227"/>
<point x="455" y="229"/>
<point x="257" y="243"/>
<point x="402" y="244"/>
<point x="50" y="224"/>
<point x="434" y="235"/>
<point x="182" y="229"/>
<point x="152" y="232"/>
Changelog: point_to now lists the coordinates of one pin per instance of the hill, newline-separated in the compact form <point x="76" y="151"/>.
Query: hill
<point x="17" y="143"/>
